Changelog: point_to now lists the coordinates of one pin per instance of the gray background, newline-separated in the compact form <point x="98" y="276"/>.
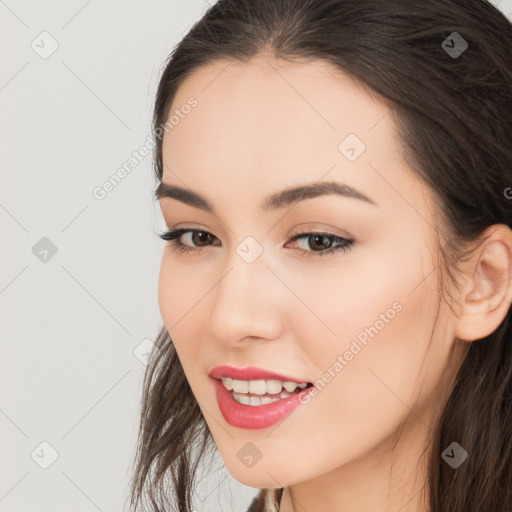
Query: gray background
<point x="76" y="322"/>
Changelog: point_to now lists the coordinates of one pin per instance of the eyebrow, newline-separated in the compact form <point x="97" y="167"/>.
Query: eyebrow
<point x="275" y="201"/>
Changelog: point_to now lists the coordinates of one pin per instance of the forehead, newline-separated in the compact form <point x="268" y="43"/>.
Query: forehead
<point x="270" y="97"/>
<point x="271" y="123"/>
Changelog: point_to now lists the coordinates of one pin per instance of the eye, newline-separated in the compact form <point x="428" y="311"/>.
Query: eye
<point x="197" y="237"/>
<point x="202" y="238"/>
<point x="320" y="240"/>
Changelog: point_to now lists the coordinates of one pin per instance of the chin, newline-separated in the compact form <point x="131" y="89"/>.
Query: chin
<point x="260" y="480"/>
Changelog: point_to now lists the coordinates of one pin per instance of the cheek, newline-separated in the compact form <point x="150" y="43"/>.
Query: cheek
<point x="368" y="340"/>
<point x="167" y="297"/>
<point x="180" y="290"/>
<point x="360" y="298"/>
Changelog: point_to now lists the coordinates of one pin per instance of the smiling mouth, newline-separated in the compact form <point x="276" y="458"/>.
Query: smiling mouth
<point x="249" y="404"/>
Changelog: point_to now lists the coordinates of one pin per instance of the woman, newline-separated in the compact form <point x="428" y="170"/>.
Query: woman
<point x="336" y="180"/>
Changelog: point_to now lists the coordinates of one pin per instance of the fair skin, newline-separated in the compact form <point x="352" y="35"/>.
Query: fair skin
<point x="263" y="126"/>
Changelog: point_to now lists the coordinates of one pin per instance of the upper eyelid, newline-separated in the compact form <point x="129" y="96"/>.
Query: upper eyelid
<point x="328" y="230"/>
<point x="300" y="232"/>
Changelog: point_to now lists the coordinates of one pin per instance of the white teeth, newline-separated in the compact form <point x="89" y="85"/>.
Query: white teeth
<point x="257" y="387"/>
<point x="255" y="400"/>
<point x="243" y="399"/>
<point x="241" y="386"/>
<point x="292" y="386"/>
<point x="274" y="386"/>
<point x="261" y="387"/>
<point x="228" y="383"/>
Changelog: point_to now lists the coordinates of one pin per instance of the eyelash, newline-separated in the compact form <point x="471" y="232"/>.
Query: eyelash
<point x="174" y="235"/>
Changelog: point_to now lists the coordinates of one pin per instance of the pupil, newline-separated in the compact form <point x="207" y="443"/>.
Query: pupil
<point x="202" y="236"/>
<point x="322" y="238"/>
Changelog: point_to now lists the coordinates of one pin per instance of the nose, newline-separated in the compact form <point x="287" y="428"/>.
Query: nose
<point x="247" y="302"/>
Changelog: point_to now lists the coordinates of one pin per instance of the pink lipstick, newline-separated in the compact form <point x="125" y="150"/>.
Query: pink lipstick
<point x="255" y="416"/>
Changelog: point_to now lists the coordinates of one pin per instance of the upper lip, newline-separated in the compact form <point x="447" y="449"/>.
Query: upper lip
<point x="249" y="373"/>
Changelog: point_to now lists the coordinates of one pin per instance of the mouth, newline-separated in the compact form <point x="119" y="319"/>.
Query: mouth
<point x="252" y="398"/>
<point x="258" y="403"/>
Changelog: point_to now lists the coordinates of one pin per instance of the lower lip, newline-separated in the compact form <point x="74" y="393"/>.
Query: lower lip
<point x="255" y="416"/>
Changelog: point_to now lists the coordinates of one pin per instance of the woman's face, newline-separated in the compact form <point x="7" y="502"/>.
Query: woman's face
<point x="358" y="323"/>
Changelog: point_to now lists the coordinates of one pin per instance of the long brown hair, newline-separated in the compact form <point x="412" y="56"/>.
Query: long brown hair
<point x="453" y="115"/>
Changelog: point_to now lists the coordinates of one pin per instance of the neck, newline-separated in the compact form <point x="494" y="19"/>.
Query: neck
<point x="391" y="477"/>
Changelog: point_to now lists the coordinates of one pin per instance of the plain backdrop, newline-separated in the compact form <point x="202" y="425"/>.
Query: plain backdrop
<point x="78" y="282"/>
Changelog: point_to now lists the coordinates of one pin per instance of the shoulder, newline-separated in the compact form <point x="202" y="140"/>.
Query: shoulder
<point x="258" y="502"/>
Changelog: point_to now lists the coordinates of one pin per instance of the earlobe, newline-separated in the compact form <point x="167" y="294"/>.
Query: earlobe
<point x="487" y="295"/>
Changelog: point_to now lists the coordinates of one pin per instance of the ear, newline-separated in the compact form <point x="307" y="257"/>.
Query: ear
<point x="487" y="293"/>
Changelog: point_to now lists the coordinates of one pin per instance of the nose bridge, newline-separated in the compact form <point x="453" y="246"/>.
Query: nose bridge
<point x="242" y="304"/>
